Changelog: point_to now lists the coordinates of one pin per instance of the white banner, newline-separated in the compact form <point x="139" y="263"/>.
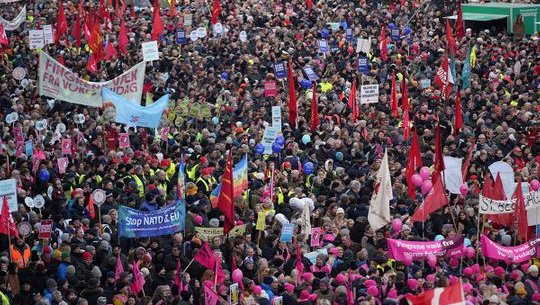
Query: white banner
<point x="363" y="45"/>
<point x="8" y="188"/>
<point x="369" y="94"/>
<point x="276" y="117"/>
<point x="48" y="33"/>
<point x="532" y="204"/>
<point x="9" y="1"/>
<point x="453" y="178"/>
<point x="60" y="83"/>
<point x="16" y="22"/>
<point x="36" y="39"/>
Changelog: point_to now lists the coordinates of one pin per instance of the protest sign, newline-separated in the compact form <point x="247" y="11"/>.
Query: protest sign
<point x="18" y="73"/>
<point x="188" y="19"/>
<point x="181" y="37"/>
<point x="48" y="34"/>
<point x="278" y="301"/>
<point x="18" y="134"/>
<point x="235" y="294"/>
<point x="132" y="114"/>
<point x="279" y="70"/>
<point x="123" y="140"/>
<point x="490" y="206"/>
<point x="312" y="256"/>
<point x="316" y="237"/>
<point x="29" y="148"/>
<point x="8" y="189"/>
<point x="11" y="25"/>
<point x="36" y="39"/>
<point x="369" y="94"/>
<point x="349" y="35"/>
<point x="270" y="88"/>
<point x="276" y="118"/>
<point x="9" y="1"/>
<point x="418" y="250"/>
<point x="310" y="73"/>
<point x="363" y="65"/>
<point x="517" y="254"/>
<point x="261" y="221"/>
<point x="150" y="50"/>
<point x="136" y="224"/>
<point x="237" y="230"/>
<point x="66" y="147"/>
<point x="269" y="136"/>
<point x="323" y="46"/>
<point x="209" y="233"/>
<point x="363" y="45"/>
<point x="425" y="83"/>
<point x="45" y="231"/>
<point x="58" y="82"/>
<point x="396" y="34"/>
<point x="287" y="232"/>
<point x="62" y="165"/>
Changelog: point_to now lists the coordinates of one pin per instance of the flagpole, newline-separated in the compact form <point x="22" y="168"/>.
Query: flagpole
<point x="190" y="262"/>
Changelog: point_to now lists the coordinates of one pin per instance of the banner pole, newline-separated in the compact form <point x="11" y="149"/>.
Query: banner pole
<point x="190" y="262"/>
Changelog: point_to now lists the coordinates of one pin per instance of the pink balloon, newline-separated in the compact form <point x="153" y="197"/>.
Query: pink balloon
<point x="237" y="276"/>
<point x="407" y="261"/>
<point x="397" y="224"/>
<point x="416" y="180"/>
<point x="432" y="260"/>
<point x="535" y="185"/>
<point x="469" y="252"/>
<point x="464" y="189"/>
<point x="425" y="173"/>
<point x="426" y="187"/>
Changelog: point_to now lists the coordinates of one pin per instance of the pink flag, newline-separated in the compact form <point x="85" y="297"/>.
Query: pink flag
<point x="178" y="276"/>
<point x="299" y="265"/>
<point x="205" y="257"/>
<point x="123" y="139"/>
<point x="18" y="133"/>
<point x="66" y="146"/>
<point x="3" y="37"/>
<point x="210" y="297"/>
<point x="220" y="276"/>
<point x="119" y="268"/>
<point x="110" y="52"/>
<point x="138" y="279"/>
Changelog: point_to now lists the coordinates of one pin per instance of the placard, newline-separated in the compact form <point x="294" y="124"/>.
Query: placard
<point x="29" y="148"/>
<point x="150" y="51"/>
<point x="348" y="35"/>
<point x="323" y="46"/>
<point x="123" y="139"/>
<point x="181" y="37"/>
<point x="270" y="88"/>
<point x="45" y="231"/>
<point x="310" y="73"/>
<point x="62" y="165"/>
<point x="261" y="221"/>
<point x="279" y="70"/>
<point x="8" y="189"/>
<point x="188" y="19"/>
<point x="316" y="237"/>
<point x="209" y="233"/>
<point x="48" y="34"/>
<point x="363" y="45"/>
<point x="425" y="83"/>
<point x="66" y="147"/>
<point x="363" y="65"/>
<point x="276" y="117"/>
<point x="278" y="301"/>
<point x="287" y="232"/>
<point x="235" y="294"/>
<point x="269" y="136"/>
<point x="369" y="94"/>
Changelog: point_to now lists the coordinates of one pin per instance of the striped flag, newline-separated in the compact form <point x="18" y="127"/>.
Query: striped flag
<point x="451" y="295"/>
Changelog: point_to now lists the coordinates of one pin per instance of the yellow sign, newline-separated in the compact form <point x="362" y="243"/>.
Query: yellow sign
<point x="261" y="221"/>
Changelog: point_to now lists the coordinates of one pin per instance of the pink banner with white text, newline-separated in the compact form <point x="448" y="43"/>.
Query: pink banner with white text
<point x="418" y="250"/>
<point x="515" y="254"/>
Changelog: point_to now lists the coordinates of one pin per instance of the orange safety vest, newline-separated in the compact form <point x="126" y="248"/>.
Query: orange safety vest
<point x="21" y="259"/>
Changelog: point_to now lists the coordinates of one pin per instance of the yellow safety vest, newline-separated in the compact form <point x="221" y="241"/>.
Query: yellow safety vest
<point x="5" y="299"/>
<point x="170" y="171"/>
<point x="140" y="185"/>
<point x="192" y="172"/>
<point x="212" y="180"/>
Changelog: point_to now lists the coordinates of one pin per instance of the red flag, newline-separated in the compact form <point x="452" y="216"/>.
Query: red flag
<point x="404" y="95"/>
<point x="157" y="27"/>
<point x="178" y="276"/>
<point x="123" y="38"/>
<point x="315" y="121"/>
<point x="452" y="294"/>
<point x="216" y="12"/>
<point x="309" y="4"/>
<point x="465" y="168"/>
<point x="102" y="10"/>
<point x="110" y="52"/>
<point x="406" y="125"/>
<point x="293" y="107"/>
<point x="88" y="25"/>
<point x="3" y="36"/>
<point x="91" y="208"/>
<point x="7" y="225"/>
<point x="96" y="42"/>
<point x="382" y="44"/>
<point x="220" y="276"/>
<point x="61" y="60"/>
<point x="206" y="257"/>
<point x="460" y="31"/>
<point x="76" y="29"/>
<point x="521" y="213"/>
<point x="172" y="9"/>
<point x="119" y="268"/>
<point x="226" y="196"/>
<point x="452" y="46"/>
<point x="91" y="65"/>
<point x="458" y="117"/>
<point x="413" y="163"/>
<point x="393" y="97"/>
<point x="435" y="200"/>
<point x="350" y="295"/>
<point x="496" y="192"/>
<point x="138" y="279"/>
<point x="61" y="22"/>
<point x="352" y="101"/>
<point x="132" y="11"/>
<point x="439" y="161"/>
<point x="444" y="79"/>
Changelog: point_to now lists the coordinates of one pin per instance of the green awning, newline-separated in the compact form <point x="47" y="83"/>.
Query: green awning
<point x="479" y="17"/>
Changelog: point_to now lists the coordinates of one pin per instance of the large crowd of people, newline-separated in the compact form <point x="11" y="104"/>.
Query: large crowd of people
<point x="225" y="74"/>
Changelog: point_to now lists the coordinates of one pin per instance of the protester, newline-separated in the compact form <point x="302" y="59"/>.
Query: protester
<point x="348" y="203"/>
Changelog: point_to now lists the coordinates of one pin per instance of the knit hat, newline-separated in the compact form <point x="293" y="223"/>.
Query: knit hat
<point x="198" y="220"/>
<point x="50" y="283"/>
<point x="499" y="271"/>
<point x="65" y="255"/>
<point x="57" y="254"/>
<point x="412" y="283"/>
<point x="87" y="256"/>
<point x="521" y="290"/>
<point x="289" y="287"/>
<point x="532" y="268"/>
<point x="370" y="283"/>
<point x="373" y="290"/>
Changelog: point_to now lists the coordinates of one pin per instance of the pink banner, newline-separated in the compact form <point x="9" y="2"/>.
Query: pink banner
<point x="62" y="165"/>
<point x="315" y="237"/>
<point x="18" y="133"/>
<point x="515" y="254"/>
<point x="270" y="88"/>
<point x="123" y="138"/>
<point x="66" y="147"/>
<point x="418" y="250"/>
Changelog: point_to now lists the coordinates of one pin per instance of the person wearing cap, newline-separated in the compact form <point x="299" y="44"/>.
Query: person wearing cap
<point x="206" y="182"/>
<point x="531" y="281"/>
<point x="324" y="292"/>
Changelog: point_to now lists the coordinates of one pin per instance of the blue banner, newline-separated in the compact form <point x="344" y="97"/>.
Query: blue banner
<point x="131" y="114"/>
<point x="396" y="34"/>
<point x="363" y="65"/>
<point x="279" y="70"/>
<point x="348" y="35"/>
<point x="323" y="46"/>
<point x="136" y="224"/>
<point x="311" y="73"/>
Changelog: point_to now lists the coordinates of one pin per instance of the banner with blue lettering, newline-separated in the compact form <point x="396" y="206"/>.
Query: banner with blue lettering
<point x="323" y="46"/>
<point x="348" y="35"/>
<point x="310" y="73"/>
<point x="363" y="65"/>
<point x="131" y="114"/>
<point x="181" y="37"/>
<point x="396" y="34"/>
<point x="136" y="224"/>
<point x="279" y="70"/>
